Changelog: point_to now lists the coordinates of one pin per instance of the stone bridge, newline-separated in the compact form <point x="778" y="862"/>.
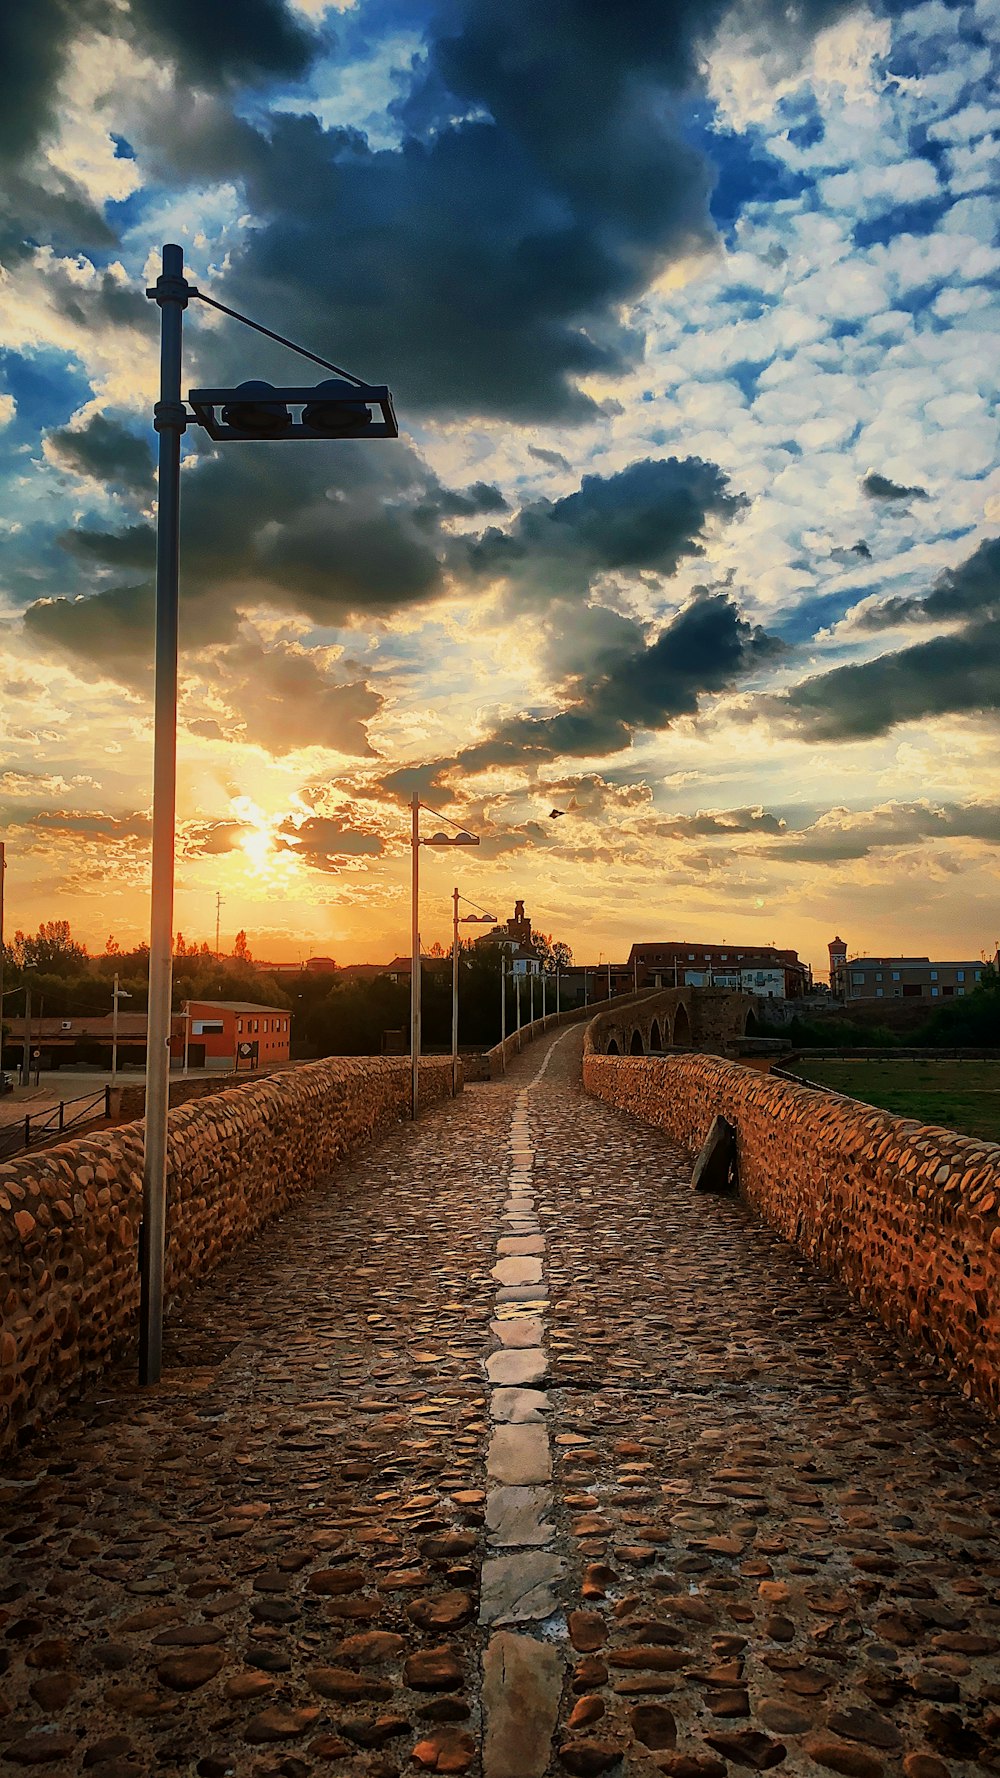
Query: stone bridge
<point x="485" y="1445"/>
<point x="674" y="1018"/>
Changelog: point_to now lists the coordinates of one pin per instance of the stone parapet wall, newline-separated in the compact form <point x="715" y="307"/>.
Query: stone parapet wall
<point x="128" y="1102"/>
<point x="907" y="1215"/>
<point x="69" y="1217"/>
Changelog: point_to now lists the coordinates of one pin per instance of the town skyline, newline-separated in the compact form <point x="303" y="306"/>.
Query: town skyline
<point x="691" y="529"/>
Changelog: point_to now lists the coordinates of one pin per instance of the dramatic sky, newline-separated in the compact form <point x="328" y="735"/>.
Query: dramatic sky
<point x="688" y="308"/>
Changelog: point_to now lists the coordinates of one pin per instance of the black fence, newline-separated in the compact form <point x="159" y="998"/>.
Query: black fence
<point x="39" y="1127"/>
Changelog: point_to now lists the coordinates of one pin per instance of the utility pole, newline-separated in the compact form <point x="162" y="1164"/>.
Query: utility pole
<point x="218" y="904"/>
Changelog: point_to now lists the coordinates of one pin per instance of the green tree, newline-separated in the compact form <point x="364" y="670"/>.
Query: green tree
<point x="52" y="948"/>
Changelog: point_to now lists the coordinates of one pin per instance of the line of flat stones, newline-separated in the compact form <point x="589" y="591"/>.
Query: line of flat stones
<point x="522" y="1670"/>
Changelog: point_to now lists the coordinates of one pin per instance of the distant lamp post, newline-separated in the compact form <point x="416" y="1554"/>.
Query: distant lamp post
<point x="344" y="408"/>
<point x="477" y="919"/>
<point x="117" y="994"/>
<point x="26" y="1053"/>
<point x="459" y="838"/>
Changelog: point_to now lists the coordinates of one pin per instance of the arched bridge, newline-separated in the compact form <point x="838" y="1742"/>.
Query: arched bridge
<point x="674" y="1018"/>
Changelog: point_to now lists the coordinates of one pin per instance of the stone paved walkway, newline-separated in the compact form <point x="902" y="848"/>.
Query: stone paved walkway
<point x="695" y="1513"/>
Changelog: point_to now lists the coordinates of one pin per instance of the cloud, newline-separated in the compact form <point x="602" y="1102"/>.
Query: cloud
<point x="952" y="674"/>
<point x="949" y="675"/>
<point x="647" y="517"/>
<point x="551" y="459"/>
<point x="287" y="696"/>
<point x="725" y="823"/>
<point x="542" y="183"/>
<point x="104" y="451"/>
<point x="841" y="835"/>
<point x="970" y="591"/>
<point x="211" y="839"/>
<point x="879" y="487"/>
<point x="703" y="650"/>
<point x="210" y="45"/>
<point x="324" y="841"/>
<point x="355" y="532"/>
<point x="852" y="554"/>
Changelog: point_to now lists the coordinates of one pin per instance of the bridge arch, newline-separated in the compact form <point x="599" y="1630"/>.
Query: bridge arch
<point x="635" y="1047"/>
<point x="612" y="1049"/>
<point x="682" y="1026"/>
<point x="655" y="1040"/>
<point x="750" y="1026"/>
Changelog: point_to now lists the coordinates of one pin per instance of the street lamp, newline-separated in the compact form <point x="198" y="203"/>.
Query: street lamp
<point x="117" y="994"/>
<point x="344" y="408"/>
<point x="459" y="838"/>
<point x="477" y="919"/>
<point x="26" y="1055"/>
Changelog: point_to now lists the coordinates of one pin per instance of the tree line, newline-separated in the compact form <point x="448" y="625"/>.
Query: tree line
<point x="334" y="1014"/>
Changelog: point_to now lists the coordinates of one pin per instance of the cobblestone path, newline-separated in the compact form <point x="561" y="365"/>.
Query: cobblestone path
<point x="509" y="1442"/>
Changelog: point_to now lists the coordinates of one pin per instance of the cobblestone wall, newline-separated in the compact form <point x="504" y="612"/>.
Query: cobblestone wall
<point x="69" y="1216"/>
<point x="906" y="1214"/>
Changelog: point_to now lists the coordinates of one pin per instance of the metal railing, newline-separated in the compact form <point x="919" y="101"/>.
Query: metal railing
<point x="40" y="1126"/>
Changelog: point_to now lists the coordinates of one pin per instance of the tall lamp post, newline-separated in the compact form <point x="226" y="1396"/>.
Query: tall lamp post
<point x="26" y="1053"/>
<point x="478" y="919"/>
<point x="459" y="838"/>
<point x="342" y="408"/>
<point x="117" y="994"/>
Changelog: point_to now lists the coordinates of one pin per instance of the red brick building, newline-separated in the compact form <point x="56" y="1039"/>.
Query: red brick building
<point x="227" y="1034"/>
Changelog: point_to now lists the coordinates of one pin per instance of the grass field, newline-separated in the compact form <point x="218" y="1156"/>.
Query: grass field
<point x="961" y="1096"/>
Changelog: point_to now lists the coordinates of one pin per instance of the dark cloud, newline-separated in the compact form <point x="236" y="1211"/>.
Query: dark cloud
<point x="324" y="841"/>
<point x="949" y="675"/>
<point x="845" y="835"/>
<point x="703" y="650"/>
<point x="109" y="634"/>
<point x="957" y="673"/>
<point x="552" y="459"/>
<point x="970" y="591"/>
<point x="543" y="182"/>
<point x="645" y="518"/>
<point x="852" y="554"/>
<point x="879" y="487"/>
<point x="209" y="44"/>
<point x="105" y="451"/>
<point x="363" y="534"/>
<point x="83" y="825"/>
<point x="247" y="42"/>
<point x="725" y="823"/>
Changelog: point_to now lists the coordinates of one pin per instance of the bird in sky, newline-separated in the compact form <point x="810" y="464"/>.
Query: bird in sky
<point x="554" y="814"/>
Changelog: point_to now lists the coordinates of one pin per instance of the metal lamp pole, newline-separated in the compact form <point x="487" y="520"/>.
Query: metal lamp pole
<point x="459" y="838"/>
<point x="26" y="1055"/>
<point x="340" y="409"/>
<point x="503" y="1011"/>
<point x="118" y="994"/>
<point x="170" y="420"/>
<point x="517" y="992"/>
<point x="480" y="919"/>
